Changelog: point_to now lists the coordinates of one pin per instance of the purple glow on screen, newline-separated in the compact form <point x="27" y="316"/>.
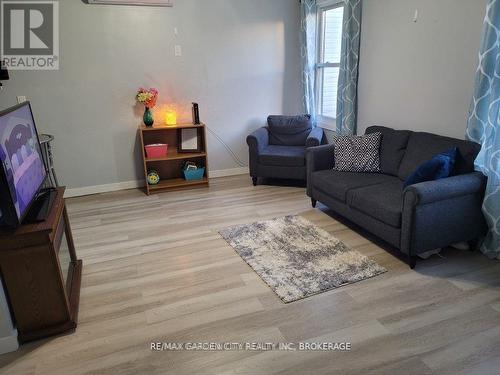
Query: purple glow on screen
<point x="21" y="157"/>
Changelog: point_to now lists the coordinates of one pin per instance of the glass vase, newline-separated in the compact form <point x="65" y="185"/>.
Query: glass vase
<point x="148" y="117"/>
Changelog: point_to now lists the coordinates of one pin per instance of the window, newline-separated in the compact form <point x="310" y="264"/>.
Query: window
<point x="330" y="20"/>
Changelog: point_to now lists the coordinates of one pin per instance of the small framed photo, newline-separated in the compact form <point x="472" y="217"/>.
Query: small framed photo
<point x="189" y="140"/>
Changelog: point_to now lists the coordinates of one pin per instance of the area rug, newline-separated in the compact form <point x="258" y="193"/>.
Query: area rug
<point x="296" y="258"/>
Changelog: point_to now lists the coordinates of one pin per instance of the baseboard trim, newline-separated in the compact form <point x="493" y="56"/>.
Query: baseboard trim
<point x="106" y="188"/>
<point x="229" y="172"/>
<point x="9" y="343"/>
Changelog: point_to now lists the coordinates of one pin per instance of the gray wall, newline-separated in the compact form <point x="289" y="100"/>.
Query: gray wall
<point x="241" y="62"/>
<point x="419" y="75"/>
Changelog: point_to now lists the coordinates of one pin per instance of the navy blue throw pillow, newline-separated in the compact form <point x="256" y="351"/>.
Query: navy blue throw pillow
<point x="440" y="166"/>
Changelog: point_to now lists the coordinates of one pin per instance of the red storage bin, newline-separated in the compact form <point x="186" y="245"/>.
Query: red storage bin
<point x="157" y="150"/>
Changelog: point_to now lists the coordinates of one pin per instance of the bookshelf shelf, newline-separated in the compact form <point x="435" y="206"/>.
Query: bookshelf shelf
<point x="176" y="156"/>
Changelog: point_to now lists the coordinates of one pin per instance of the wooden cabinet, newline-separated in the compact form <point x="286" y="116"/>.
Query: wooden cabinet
<point x="42" y="274"/>
<point x="170" y="167"/>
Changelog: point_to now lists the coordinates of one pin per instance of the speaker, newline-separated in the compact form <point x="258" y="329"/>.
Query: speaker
<point x="196" y="114"/>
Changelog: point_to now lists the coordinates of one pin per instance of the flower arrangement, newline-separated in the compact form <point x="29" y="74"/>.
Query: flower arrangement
<point x="147" y="97"/>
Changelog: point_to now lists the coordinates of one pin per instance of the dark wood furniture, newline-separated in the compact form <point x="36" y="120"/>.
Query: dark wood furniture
<point x="170" y="167"/>
<point x="42" y="274"/>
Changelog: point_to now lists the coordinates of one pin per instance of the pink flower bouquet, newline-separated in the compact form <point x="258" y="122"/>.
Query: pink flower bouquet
<point x="147" y="97"/>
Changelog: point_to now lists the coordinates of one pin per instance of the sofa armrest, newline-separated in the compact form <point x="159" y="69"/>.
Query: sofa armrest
<point x="320" y="157"/>
<point x="445" y="188"/>
<point x="442" y="212"/>
<point x="259" y="139"/>
<point x="315" y="137"/>
<point x="317" y="159"/>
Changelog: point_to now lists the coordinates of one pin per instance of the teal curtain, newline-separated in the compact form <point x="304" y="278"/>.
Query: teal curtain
<point x="308" y="11"/>
<point x="484" y="123"/>
<point x="347" y="94"/>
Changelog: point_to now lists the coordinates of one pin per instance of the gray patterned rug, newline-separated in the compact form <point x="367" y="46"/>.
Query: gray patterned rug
<point x="296" y="258"/>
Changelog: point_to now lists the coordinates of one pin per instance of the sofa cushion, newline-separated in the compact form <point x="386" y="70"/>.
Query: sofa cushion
<point x="290" y="156"/>
<point x="382" y="201"/>
<point x="392" y="147"/>
<point x="440" y="166"/>
<point x="289" y="130"/>
<point x="357" y="153"/>
<point x="337" y="184"/>
<point x="423" y="146"/>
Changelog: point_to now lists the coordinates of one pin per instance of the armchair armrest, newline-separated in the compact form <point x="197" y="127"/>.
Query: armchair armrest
<point x="317" y="159"/>
<point x="259" y="139"/>
<point x="315" y="137"/>
<point x="445" y="188"/>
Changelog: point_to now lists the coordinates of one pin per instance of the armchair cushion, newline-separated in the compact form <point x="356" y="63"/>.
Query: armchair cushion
<point x="284" y="156"/>
<point x="289" y="130"/>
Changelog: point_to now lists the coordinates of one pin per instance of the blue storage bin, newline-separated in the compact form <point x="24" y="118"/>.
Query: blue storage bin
<point x="194" y="174"/>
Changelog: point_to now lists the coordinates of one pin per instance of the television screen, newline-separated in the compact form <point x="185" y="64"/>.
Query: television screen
<point x="21" y="158"/>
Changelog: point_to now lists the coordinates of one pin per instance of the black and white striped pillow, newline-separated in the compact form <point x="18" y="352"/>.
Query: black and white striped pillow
<point x="355" y="153"/>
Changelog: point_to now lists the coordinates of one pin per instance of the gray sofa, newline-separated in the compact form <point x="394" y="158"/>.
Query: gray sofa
<point x="278" y="150"/>
<point x="415" y="219"/>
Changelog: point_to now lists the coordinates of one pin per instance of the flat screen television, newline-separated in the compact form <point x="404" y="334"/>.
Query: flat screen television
<point x="22" y="171"/>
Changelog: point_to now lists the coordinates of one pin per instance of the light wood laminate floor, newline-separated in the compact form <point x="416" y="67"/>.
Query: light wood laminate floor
<point x="155" y="269"/>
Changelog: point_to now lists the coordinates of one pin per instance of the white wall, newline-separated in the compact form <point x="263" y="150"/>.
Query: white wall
<point x="418" y="75"/>
<point x="241" y="62"/>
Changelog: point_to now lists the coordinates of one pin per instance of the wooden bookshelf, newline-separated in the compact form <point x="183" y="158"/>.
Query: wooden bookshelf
<point x="169" y="167"/>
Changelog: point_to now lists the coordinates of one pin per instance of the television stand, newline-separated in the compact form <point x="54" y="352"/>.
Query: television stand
<point x="41" y="206"/>
<point x="42" y="274"/>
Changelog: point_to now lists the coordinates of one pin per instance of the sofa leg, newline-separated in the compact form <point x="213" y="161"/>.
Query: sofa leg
<point x="474" y="244"/>
<point x="313" y="202"/>
<point x="412" y="261"/>
<point x="254" y="181"/>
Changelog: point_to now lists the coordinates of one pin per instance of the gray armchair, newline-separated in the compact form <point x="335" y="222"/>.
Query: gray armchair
<point x="278" y="149"/>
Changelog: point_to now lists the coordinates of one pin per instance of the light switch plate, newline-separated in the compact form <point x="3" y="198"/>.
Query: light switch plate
<point x="178" y="50"/>
<point x="21" y="99"/>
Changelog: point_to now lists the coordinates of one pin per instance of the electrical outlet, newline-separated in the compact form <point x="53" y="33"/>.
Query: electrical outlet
<point x="21" y="99"/>
<point x="178" y="50"/>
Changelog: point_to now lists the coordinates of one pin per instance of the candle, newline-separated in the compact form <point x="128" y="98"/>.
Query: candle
<point x="170" y="118"/>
